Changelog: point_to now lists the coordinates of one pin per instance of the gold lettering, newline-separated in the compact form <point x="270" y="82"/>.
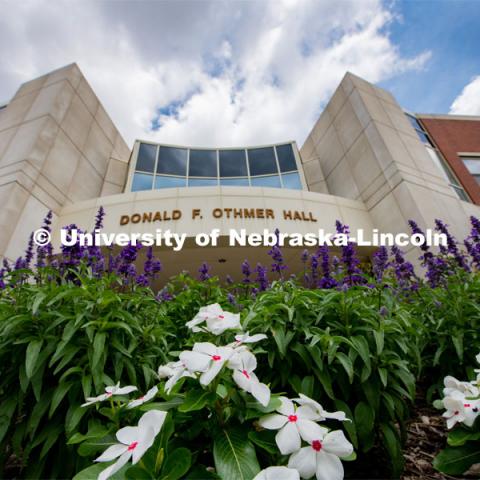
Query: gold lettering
<point x="157" y="217"/>
<point x="124" y="219"/>
<point x="269" y="213"/>
<point x="249" y="212"/>
<point x="136" y="217"/>
<point x="147" y="217"/>
<point x="228" y="211"/>
<point x="237" y="213"/>
<point x="287" y="214"/>
<point x="217" y="213"/>
<point x="260" y="213"/>
<point x="296" y="215"/>
<point x="176" y="215"/>
<point x="312" y="219"/>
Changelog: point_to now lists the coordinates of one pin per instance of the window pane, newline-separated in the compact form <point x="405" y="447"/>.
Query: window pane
<point x="142" y="181"/>
<point x="286" y="158"/>
<point x="203" y="163"/>
<point x="415" y="123"/>
<point x="292" y="180"/>
<point x="423" y="137"/>
<point x="169" y="182"/>
<point x="472" y="164"/>
<point x="146" y="157"/>
<point x="202" y="182"/>
<point x="272" y="181"/>
<point x="262" y="161"/>
<point x="234" y="181"/>
<point x="461" y="194"/>
<point x="172" y="160"/>
<point x="233" y="163"/>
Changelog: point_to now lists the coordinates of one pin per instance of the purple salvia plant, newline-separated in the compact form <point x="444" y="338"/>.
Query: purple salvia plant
<point x="353" y="275"/>
<point x="246" y="271"/>
<point x="452" y="247"/>
<point x="379" y="263"/>
<point x="262" y="279"/>
<point x="327" y="281"/>
<point x="278" y="265"/>
<point x="152" y="266"/>
<point x="404" y="271"/>
<point x="204" y="272"/>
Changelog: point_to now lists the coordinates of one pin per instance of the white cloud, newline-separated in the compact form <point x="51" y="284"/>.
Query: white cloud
<point x="468" y="102"/>
<point x="236" y="73"/>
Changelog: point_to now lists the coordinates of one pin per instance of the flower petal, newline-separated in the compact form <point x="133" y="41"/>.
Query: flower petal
<point x="306" y="412"/>
<point x="336" y="443"/>
<point x="260" y="392"/>
<point x="277" y="473"/>
<point x="112" y="452"/>
<point x="128" y="435"/>
<point x="310" y="431"/>
<point x="304" y="461"/>
<point x="125" y="390"/>
<point x="148" y="437"/>
<point x="288" y="439"/>
<point x="205" y="347"/>
<point x="329" y="467"/>
<point x="274" y="421"/>
<point x="286" y="408"/>
<point x="212" y="372"/>
<point x="154" y="419"/>
<point x="195" y="361"/>
<point x="115" y="467"/>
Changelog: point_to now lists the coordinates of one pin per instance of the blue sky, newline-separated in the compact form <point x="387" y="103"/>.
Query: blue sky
<point x="226" y="72"/>
<point x="451" y="31"/>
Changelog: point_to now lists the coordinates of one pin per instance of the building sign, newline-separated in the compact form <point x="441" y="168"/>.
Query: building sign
<point x="218" y="213"/>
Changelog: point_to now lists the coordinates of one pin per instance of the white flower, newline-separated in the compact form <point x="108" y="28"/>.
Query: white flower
<point x="453" y="385"/>
<point x="321" y="457"/>
<point x="143" y="399"/>
<point x="217" y="320"/>
<point x="243" y="364"/>
<point x="277" y="473"/>
<point x="174" y="370"/>
<point x="246" y="338"/>
<point x="134" y="442"/>
<point x="322" y="414"/>
<point x="207" y="359"/>
<point x="460" y="409"/>
<point x="292" y="425"/>
<point x="109" y="391"/>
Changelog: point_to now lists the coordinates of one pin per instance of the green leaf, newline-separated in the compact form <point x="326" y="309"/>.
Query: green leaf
<point x="379" y="336"/>
<point x="459" y="436"/>
<point x="393" y="447"/>
<point x="31" y="356"/>
<point x="365" y="424"/>
<point x="346" y="364"/>
<point x="360" y="344"/>
<point x="234" y="455"/>
<point x="383" y="376"/>
<point x="264" y="439"/>
<point x="349" y="426"/>
<point x="195" y="400"/>
<point x="177" y="464"/>
<point x="457" y="460"/>
<point x="98" y="348"/>
<point x="39" y="298"/>
<point x="93" y="471"/>
<point x="6" y="413"/>
<point x="57" y="397"/>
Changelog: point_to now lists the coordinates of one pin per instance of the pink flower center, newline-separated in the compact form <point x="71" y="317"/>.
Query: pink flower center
<point x="221" y="317"/>
<point x="292" y="418"/>
<point x="456" y="413"/>
<point x="109" y="394"/>
<point x="466" y="405"/>
<point x="317" y="445"/>
<point x="216" y="358"/>
<point x="141" y="398"/>
<point x="246" y="374"/>
<point x="132" y="446"/>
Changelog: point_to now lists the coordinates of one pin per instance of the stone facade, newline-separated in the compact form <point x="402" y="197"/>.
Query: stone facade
<point x="58" y="146"/>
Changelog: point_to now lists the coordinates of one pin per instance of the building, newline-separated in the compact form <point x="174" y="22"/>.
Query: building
<point x="366" y="162"/>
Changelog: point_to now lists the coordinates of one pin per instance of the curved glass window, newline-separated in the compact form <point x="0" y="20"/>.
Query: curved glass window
<point x="142" y="181"/>
<point x="202" y="182"/>
<point x="164" y="181"/>
<point x="272" y="181"/>
<point x="240" y="182"/>
<point x="203" y="163"/>
<point x="286" y="158"/>
<point x="292" y="181"/>
<point x="164" y="166"/>
<point x="172" y="160"/>
<point x="233" y="163"/>
<point x="262" y="161"/>
<point x="147" y="155"/>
